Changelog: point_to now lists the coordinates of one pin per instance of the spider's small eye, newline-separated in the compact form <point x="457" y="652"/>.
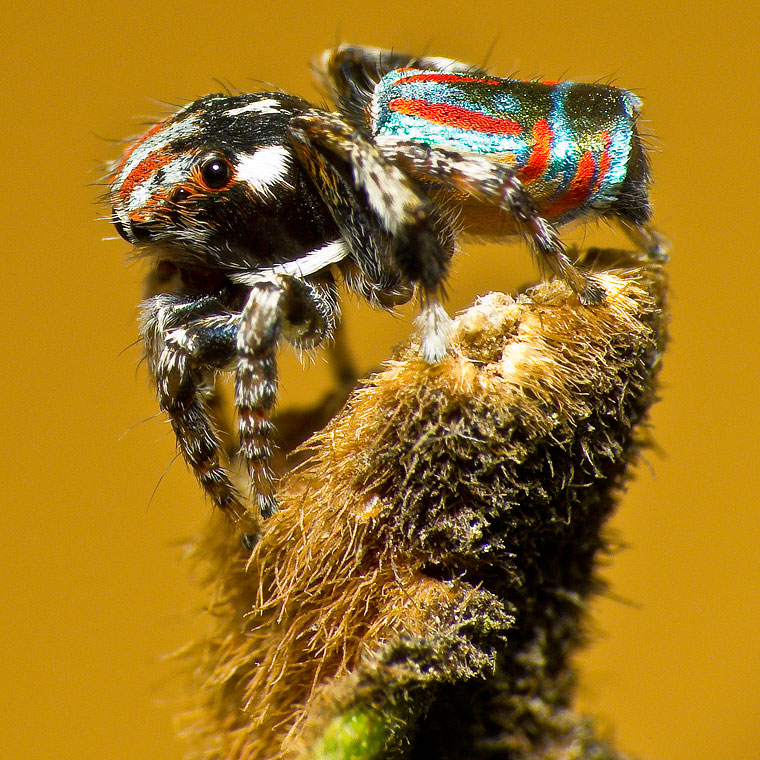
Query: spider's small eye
<point x="216" y="172"/>
<point x="179" y="194"/>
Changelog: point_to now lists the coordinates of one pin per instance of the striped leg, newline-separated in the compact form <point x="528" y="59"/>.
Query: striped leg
<point x="496" y="184"/>
<point x="183" y="347"/>
<point x="395" y="232"/>
<point x="279" y="306"/>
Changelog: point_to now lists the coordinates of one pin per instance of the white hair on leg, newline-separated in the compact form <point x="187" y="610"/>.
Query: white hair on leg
<point x="436" y="330"/>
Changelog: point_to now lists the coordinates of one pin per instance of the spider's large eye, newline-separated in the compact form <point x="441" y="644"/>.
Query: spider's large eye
<point x="216" y="172"/>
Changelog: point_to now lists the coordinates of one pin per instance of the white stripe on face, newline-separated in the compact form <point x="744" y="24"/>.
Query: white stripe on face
<point x="264" y="169"/>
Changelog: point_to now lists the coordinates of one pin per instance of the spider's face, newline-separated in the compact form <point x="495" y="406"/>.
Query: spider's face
<point x="194" y="182"/>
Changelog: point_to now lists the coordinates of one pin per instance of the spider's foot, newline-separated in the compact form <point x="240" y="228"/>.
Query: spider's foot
<point x="649" y="240"/>
<point x="592" y="292"/>
<point x="267" y="504"/>
<point x="436" y="328"/>
<point x="659" y="247"/>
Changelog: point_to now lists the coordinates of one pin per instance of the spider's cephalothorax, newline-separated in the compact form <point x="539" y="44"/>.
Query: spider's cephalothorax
<point x="256" y="201"/>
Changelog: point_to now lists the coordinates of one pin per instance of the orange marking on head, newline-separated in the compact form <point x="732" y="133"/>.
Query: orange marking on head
<point x="151" y="209"/>
<point x="131" y="149"/>
<point x="148" y="166"/>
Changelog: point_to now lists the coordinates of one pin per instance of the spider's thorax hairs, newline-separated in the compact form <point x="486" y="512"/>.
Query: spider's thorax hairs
<point x="255" y="201"/>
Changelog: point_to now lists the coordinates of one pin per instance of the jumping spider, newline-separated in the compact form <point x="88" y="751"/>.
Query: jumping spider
<point x="256" y="202"/>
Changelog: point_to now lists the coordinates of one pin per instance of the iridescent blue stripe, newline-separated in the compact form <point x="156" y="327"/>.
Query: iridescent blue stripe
<point x="564" y="156"/>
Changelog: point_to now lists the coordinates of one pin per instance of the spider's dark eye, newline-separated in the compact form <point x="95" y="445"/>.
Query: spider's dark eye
<point x="216" y="172"/>
<point x="179" y="194"/>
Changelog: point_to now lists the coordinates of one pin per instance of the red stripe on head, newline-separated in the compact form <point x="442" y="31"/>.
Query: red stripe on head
<point x="131" y="149"/>
<point x="147" y="167"/>
<point x="538" y="162"/>
<point x="454" y="116"/>
<point x="444" y="78"/>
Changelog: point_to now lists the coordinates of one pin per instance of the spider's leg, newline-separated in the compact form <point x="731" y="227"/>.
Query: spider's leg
<point x="647" y="239"/>
<point x="164" y="277"/>
<point x="186" y="340"/>
<point x="495" y="184"/>
<point x="277" y="306"/>
<point x="350" y="73"/>
<point x="394" y="230"/>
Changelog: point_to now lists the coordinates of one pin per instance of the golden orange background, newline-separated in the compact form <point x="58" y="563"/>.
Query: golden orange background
<point x="95" y="591"/>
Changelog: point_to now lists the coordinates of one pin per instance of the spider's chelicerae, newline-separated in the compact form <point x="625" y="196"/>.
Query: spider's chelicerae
<point x="255" y="202"/>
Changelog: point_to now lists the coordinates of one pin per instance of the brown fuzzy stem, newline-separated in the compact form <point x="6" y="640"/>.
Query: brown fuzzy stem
<point x="423" y="586"/>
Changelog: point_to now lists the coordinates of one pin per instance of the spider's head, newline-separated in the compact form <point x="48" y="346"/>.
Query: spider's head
<point x="191" y="184"/>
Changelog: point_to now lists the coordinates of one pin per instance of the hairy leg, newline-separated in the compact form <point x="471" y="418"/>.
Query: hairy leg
<point x="279" y="306"/>
<point x="495" y="184"/>
<point x="186" y="340"/>
<point x="395" y="231"/>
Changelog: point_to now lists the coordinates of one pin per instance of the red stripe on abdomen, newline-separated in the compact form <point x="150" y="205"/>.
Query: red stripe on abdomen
<point x="454" y="116"/>
<point x="580" y="188"/>
<point x="538" y="162"/>
<point x="604" y="161"/>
